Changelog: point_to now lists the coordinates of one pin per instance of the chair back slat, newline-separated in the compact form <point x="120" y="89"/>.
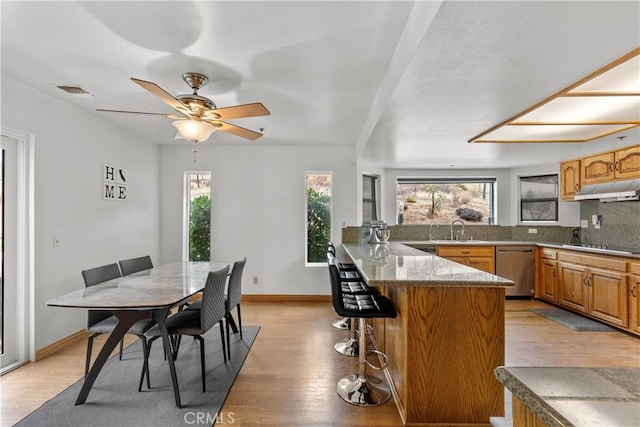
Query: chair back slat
<point x="213" y="301"/>
<point x="234" y="293"/>
<point x="133" y="265"/>
<point x="96" y="275"/>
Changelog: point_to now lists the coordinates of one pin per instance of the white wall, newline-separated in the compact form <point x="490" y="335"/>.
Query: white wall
<point x="258" y="209"/>
<point x="70" y="148"/>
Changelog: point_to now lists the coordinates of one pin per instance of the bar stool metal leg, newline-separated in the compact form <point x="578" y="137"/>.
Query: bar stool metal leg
<point x="357" y="389"/>
<point x="349" y="347"/>
<point x="342" y="323"/>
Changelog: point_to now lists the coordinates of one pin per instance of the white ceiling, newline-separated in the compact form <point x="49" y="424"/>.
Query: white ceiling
<point x="405" y="83"/>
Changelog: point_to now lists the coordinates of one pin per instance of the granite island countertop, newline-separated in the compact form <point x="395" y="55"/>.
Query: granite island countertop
<point x="580" y="397"/>
<point x="395" y="264"/>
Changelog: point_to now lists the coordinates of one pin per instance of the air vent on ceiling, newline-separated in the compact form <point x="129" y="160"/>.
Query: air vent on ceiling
<point x="75" y="90"/>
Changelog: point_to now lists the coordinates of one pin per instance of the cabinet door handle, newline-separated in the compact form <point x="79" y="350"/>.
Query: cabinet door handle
<point x="554" y="272"/>
<point x="611" y="166"/>
<point x="577" y="187"/>
<point x="633" y="291"/>
<point x="617" y="165"/>
<point x="465" y="252"/>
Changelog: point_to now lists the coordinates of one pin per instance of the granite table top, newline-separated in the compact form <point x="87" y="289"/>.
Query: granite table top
<point x="396" y="264"/>
<point x="158" y="287"/>
<point x="580" y="397"/>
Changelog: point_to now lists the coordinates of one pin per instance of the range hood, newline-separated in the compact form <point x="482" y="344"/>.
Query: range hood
<point x="616" y="191"/>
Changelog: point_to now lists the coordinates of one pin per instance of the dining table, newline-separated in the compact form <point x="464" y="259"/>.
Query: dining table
<point x="137" y="296"/>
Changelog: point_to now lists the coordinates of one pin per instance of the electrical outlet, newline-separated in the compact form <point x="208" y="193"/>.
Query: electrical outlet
<point x="255" y="280"/>
<point x="533" y="231"/>
<point x="584" y="223"/>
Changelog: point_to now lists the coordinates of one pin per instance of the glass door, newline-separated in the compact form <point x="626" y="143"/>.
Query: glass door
<point x="9" y="352"/>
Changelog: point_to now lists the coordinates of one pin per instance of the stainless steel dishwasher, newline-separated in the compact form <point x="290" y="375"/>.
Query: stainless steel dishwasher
<point x="516" y="263"/>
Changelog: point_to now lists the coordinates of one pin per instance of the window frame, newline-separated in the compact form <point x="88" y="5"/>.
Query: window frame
<point x="322" y="263"/>
<point x="186" y="210"/>
<point x="491" y="219"/>
<point x="374" y="200"/>
<point x="556" y="200"/>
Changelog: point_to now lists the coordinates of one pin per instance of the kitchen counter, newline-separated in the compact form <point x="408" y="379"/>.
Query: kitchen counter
<point x="419" y="244"/>
<point x="565" y="397"/>
<point x="395" y="264"/>
<point x="448" y="337"/>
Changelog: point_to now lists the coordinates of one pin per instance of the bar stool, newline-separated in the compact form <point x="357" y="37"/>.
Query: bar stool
<point x="356" y="388"/>
<point x="348" y="272"/>
<point x="350" y="346"/>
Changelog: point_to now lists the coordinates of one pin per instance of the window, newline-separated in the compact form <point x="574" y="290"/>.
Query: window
<point x="442" y="200"/>
<point x="369" y="198"/>
<point x="539" y="198"/>
<point x="318" y="233"/>
<point x="198" y="207"/>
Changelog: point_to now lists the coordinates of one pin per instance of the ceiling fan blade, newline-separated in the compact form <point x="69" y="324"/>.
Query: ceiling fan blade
<point x="165" y="96"/>
<point x="236" y="130"/>
<point x="239" y="111"/>
<point x="169" y="116"/>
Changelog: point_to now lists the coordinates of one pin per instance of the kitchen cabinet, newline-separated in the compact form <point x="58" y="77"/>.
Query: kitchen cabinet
<point x="478" y="257"/>
<point x="634" y="297"/>
<point x="612" y="165"/>
<point x="569" y="179"/>
<point x="547" y="286"/>
<point x="594" y="285"/>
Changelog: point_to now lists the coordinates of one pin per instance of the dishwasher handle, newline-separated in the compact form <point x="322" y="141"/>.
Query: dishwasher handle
<point x="515" y="251"/>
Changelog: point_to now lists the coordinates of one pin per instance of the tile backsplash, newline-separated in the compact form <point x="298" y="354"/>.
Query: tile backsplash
<point x="620" y="225"/>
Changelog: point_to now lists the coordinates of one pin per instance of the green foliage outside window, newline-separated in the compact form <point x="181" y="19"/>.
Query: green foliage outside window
<point x="318" y="225"/>
<point x="200" y="229"/>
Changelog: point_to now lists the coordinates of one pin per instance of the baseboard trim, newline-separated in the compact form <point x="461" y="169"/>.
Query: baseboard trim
<point x="59" y="345"/>
<point x="285" y="298"/>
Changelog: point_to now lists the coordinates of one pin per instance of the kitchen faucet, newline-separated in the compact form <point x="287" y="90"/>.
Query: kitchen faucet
<point x="457" y="221"/>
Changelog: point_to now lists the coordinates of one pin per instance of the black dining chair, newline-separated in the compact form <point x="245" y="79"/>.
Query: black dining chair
<point x="234" y="296"/>
<point x="195" y="322"/>
<point x="133" y="265"/>
<point x="102" y="321"/>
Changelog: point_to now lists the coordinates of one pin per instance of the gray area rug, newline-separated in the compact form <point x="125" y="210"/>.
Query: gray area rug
<point x="114" y="399"/>
<point x="571" y="320"/>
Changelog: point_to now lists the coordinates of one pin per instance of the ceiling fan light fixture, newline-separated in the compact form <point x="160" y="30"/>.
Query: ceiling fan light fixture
<point x="194" y="130"/>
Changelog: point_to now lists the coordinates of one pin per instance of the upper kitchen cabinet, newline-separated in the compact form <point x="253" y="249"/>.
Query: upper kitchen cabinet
<point x="569" y="179"/>
<point x="627" y="164"/>
<point x="619" y="164"/>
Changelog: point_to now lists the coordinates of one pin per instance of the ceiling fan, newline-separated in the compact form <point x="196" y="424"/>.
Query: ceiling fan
<point x="199" y="116"/>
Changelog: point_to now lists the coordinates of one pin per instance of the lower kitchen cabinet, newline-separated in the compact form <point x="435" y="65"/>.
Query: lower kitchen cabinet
<point x="634" y="297"/>
<point x="547" y="274"/>
<point x="594" y="285"/>
<point x="608" y="293"/>
<point x="478" y="257"/>
<point x="573" y="287"/>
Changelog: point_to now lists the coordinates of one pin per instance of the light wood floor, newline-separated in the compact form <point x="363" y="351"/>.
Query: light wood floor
<point x="290" y="374"/>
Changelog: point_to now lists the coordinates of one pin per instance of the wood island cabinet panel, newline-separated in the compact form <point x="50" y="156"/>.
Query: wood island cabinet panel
<point x="627" y="163"/>
<point x="569" y="179"/>
<point x="443" y="348"/>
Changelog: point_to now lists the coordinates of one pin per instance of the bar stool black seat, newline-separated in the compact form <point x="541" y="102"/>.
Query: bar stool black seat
<point x="356" y="388"/>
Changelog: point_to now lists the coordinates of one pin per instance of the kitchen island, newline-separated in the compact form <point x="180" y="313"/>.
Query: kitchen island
<point x="571" y="397"/>
<point x="448" y="337"/>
